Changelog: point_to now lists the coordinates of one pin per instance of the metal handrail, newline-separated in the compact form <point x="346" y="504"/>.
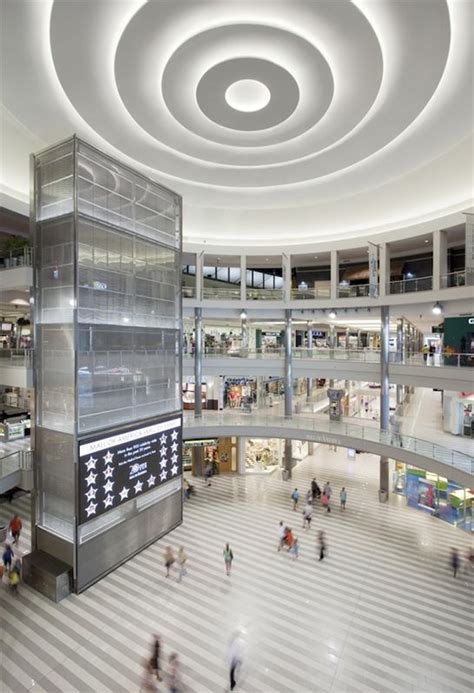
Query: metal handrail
<point x="23" y="257"/>
<point x="188" y="291"/>
<point x="262" y="294"/>
<point x="464" y="277"/>
<point x="220" y="292"/>
<point x="311" y="292"/>
<point x="404" y="286"/>
<point x="353" y="290"/>
<point x="425" y="448"/>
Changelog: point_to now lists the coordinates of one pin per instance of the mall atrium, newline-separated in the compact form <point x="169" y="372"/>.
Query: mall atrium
<point x="236" y="346"/>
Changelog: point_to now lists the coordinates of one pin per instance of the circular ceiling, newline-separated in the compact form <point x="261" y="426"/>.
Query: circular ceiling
<point x="315" y="121"/>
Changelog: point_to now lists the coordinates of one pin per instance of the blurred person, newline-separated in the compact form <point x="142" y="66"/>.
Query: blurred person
<point x="228" y="558"/>
<point x="326" y="502"/>
<point x="148" y="680"/>
<point x="208" y="473"/>
<point x="321" y="545"/>
<point x="235" y="658"/>
<point x="7" y="557"/>
<point x="455" y="561"/>
<point x="181" y="559"/>
<point x="307" y="516"/>
<point x="295" y="549"/>
<point x="327" y="489"/>
<point x="343" y="498"/>
<point x="295" y="496"/>
<point x="15" y="528"/>
<point x="169" y="559"/>
<point x="309" y="496"/>
<point x="289" y="538"/>
<point x="174" y="674"/>
<point x="315" y="489"/>
<point x="426" y="351"/>
<point x="281" y="535"/>
<point x="396" y="438"/>
<point x="155" y="656"/>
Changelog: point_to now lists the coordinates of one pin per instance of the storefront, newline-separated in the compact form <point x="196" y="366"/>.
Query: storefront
<point x="434" y="494"/>
<point x="263" y="455"/>
<point x="240" y="393"/>
<point x="222" y="453"/>
<point x="211" y="393"/>
<point x="458" y="417"/>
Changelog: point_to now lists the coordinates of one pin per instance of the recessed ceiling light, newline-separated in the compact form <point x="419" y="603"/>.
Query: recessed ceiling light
<point x="247" y="95"/>
<point x="315" y="257"/>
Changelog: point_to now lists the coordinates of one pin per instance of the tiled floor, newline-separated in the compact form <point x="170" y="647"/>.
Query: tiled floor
<point x="381" y="613"/>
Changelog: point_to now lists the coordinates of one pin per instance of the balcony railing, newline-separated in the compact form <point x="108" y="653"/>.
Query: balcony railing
<point x="16" y="461"/>
<point x="464" y="277"/>
<point x="425" y="448"/>
<point x="188" y="291"/>
<point x="221" y="293"/>
<point x="406" y="286"/>
<point x="22" y="358"/>
<point x="353" y="290"/>
<point x="255" y="294"/>
<point x="23" y="257"/>
<point x="311" y="293"/>
<point x="341" y="354"/>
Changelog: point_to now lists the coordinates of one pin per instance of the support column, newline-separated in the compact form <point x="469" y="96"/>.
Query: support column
<point x="198" y="460"/>
<point x="199" y="275"/>
<point x="384" y="269"/>
<point x="469" y="247"/>
<point x="359" y="339"/>
<point x="198" y="362"/>
<point x="400" y="341"/>
<point x="334" y="273"/>
<point x="348" y="333"/>
<point x="288" y="365"/>
<point x="440" y="258"/>
<point x="244" y="327"/>
<point x="286" y="271"/>
<point x="309" y="344"/>
<point x="243" y="278"/>
<point x="241" y="454"/>
<point x="384" y="390"/>
<point x="332" y="337"/>
<point x="288" y="457"/>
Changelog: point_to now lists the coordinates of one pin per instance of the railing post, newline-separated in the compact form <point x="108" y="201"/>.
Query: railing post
<point x="198" y="362"/>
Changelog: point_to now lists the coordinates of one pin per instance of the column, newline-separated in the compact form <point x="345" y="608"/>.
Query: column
<point x="286" y="271"/>
<point x="348" y="334"/>
<point x="384" y="390"/>
<point x="334" y="273"/>
<point x="440" y="258"/>
<point x="198" y="460"/>
<point x="332" y="337"/>
<point x="309" y="345"/>
<point x="288" y="457"/>
<point x="469" y="247"/>
<point x="198" y="351"/>
<point x="243" y="278"/>
<point x="244" y="330"/>
<point x="199" y="274"/>
<point x="400" y="341"/>
<point x="384" y="269"/>
<point x="288" y="365"/>
<point x="241" y="454"/>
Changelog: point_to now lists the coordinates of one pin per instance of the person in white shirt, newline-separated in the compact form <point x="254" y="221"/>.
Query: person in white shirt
<point x="281" y="535"/>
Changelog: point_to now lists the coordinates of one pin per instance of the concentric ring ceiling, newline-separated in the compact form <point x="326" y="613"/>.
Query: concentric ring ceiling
<point x="362" y="125"/>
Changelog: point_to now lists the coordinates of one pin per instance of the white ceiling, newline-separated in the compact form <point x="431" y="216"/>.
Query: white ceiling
<point x="368" y="128"/>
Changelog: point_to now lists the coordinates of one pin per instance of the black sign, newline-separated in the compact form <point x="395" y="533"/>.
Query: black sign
<point x="117" y="467"/>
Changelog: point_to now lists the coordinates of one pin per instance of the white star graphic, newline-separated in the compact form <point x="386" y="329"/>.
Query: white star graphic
<point x="174" y="447"/>
<point x="138" y="486"/>
<point x="90" y="510"/>
<point x="124" y="493"/>
<point x="91" y="493"/>
<point x="108" y="472"/>
<point x="151" y="480"/>
<point x="163" y="475"/>
<point x="90" y="464"/>
<point x="174" y="458"/>
<point x="108" y="457"/>
<point x="91" y="478"/>
<point x="174" y="435"/>
<point x="109" y="501"/>
<point x="163" y="439"/>
<point x="163" y="463"/>
<point x="174" y="470"/>
<point x="109" y="486"/>
<point x="163" y="451"/>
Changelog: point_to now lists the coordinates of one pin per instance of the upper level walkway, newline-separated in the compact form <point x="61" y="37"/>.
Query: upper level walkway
<point x="415" y="451"/>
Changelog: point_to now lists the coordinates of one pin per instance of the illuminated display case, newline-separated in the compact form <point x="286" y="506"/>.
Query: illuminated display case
<point x="107" y="333"/>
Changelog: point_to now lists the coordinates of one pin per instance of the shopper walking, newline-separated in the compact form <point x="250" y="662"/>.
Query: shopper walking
<point x="295" y="496"/>
<point x="169" y="559"/>
<point x="235" y="658"/>
<point x="155" y="656"/>
<point x="316" y="491"/>
<point x="326" y="502"/>
<point x="15" y="528"/>
<point x="181" y="560"/>
<point x="174" y="674"/>
<point x="228" y="558"/>
<point x="307" y="516"/>
<point x="455" y="561"/>
<point x="426" y="351"/>
<point x="295" y="549"/>
<point x="208" y="473"/>
<point x="148" y="682"/>
<point x="281" y="535"/>
<point x="7" y="557"/>
<point x="327" y="489"/>
<point x="321" y="545"/>
<point x="343" y="498"/>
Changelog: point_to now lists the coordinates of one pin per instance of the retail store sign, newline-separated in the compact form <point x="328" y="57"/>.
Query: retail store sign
<point x="205" y="442"/>
<point x="118" y="467"/>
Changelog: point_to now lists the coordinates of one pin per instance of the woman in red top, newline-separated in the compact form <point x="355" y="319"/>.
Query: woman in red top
<point x="15" y="527"/>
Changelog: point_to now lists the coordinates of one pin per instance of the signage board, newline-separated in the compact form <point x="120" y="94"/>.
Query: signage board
<point x="116" y="467"/>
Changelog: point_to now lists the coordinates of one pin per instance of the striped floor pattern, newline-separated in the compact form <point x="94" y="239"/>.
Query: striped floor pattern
<point x="381" y="613"/>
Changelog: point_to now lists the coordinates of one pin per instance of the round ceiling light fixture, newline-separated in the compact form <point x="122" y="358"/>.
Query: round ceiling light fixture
<point x="248" y="95"/>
